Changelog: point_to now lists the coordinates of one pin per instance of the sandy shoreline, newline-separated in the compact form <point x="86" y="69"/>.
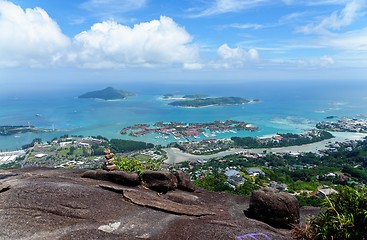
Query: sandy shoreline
<point x="176" y="156"/>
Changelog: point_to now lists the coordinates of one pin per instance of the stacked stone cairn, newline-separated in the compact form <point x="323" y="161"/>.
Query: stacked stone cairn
<point x="109" y="164"/>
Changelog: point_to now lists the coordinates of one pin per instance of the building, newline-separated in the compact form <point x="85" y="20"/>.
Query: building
<point x="236" y="180"/>
<point x="324" y="192"/>
<point x="255" y="171"/>
<point x="230" y="173"/>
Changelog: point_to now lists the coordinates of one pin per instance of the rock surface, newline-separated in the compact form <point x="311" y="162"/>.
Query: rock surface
<point x="47" y="204"/>
<point x="120" y="177"/>
<point x="273" y="207"/>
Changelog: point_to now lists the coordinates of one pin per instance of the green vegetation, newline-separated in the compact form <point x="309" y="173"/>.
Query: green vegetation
<point x="108" y="94"/>
<point x="203" y="102"/>
<point x="288" y="139"/>
<point x="34" y="141"/>
<point x="218" y="182"/>
<point x="134" y="165"/>
<point x="119" y="145"/>
<point x="344" y="216"/>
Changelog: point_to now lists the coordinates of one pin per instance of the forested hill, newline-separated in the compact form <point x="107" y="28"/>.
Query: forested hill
<point x="108" y="93"/>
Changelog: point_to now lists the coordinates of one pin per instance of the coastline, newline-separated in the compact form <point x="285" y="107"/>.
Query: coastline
<point x="176" y="156"/>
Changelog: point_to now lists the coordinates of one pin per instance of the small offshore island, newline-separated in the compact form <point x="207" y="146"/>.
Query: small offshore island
<point x="206" y="102"/>
<point x="203" y="100"/>
<point x="108" y="93"/>
<point x="12" y="130"/>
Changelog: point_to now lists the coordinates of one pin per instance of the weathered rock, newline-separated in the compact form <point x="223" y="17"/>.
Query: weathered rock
<point x="159" y="181"/>
<point x="58" y="204"/>
<point x="276" y="208"/>
<point x="149" y="199"/>
<point x="4" y="187"/>
<point x="184" y="181"/>
<point x="120" y="177"/>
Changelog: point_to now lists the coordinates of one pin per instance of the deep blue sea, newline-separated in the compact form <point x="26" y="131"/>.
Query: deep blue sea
<point x="285" y="106"/>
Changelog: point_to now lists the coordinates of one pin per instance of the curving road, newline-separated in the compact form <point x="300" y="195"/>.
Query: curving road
<point x="175" y="155"/>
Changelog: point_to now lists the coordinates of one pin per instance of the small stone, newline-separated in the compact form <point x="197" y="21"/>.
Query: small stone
<point x="110" y="227"/>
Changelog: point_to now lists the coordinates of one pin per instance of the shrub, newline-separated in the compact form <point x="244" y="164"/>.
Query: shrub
<point x="133" y="165"/>
<point x="344" y="216"/>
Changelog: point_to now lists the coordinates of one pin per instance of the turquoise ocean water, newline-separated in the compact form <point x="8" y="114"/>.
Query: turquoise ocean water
<point x="284" y="107"/>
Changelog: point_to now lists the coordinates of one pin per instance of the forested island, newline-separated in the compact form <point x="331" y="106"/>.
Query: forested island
<point x="209" y="101"/>
<point x="108" y="93"/>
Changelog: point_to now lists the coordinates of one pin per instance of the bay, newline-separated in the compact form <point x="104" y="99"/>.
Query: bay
<point x="284" y="107"/>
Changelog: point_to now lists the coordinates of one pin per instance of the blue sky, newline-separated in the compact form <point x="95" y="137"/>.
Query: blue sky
<point x="186" y="40"/>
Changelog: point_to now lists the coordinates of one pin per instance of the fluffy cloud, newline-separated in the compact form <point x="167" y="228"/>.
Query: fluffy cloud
<point x="235" y="57"/>
<point x="31" y="38"/>
<point x="326" y="61"/>
<point x="109" y="44"/>
<point x="28" y="37"/>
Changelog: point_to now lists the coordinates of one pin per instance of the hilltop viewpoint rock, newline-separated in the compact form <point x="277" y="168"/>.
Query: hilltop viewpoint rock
<point x="45" y="203"/>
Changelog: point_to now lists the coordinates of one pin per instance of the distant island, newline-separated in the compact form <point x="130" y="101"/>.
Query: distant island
<point x="108" y="93"/>
<point x="11" y="130"/>
<point x="205" y="102"/>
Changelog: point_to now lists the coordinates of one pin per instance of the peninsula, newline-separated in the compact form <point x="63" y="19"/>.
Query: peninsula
<point x="209" y="101"/>
<point x="108" y="93"/>
<point x="183" y="130"/>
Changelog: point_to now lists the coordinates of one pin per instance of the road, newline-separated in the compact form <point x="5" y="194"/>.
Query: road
<point x="175" y="155"/>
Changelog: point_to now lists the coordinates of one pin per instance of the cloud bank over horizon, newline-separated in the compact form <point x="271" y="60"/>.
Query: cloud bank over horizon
<point x="31" y="38"/>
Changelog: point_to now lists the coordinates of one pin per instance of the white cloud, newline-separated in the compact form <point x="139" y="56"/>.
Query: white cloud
<point x="193" y="66"/>
<point x="157" y="42"/>
<point x="28" y="37"/>
<point x="235" y="57"/>
<point x="227" y="6"/>
<point x="353" y="40"/>
<point x="311" y="63"/>
<point x="247" y="26"/>
<point x="337" y="19"/>
<point x="326" y="61"/>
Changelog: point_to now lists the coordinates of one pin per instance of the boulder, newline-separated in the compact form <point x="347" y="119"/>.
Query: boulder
<point x="159" y="181"/>
<point x="119" y="177"/>
<point x="278" y="209"/>
<point x="184" y="181"/>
